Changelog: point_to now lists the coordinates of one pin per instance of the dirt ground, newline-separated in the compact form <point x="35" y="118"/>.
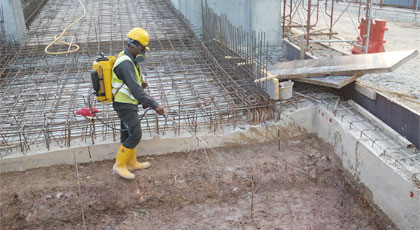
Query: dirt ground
<point x="254" y="186"/>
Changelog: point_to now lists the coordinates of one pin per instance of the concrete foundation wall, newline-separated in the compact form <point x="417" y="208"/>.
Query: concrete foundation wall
<point x="379" y="179"/>
<point x="14" y="21"/>
<point x="289" y="126"/>
<point x="292" y="52"/>
<point x="238" y="12"/>
<point x="191" y="9"/>
<point x="266" y="17"/>
<point x="251" y="15"/>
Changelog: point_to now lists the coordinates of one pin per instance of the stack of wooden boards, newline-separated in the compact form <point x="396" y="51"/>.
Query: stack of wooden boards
<point x="339" y="71"/>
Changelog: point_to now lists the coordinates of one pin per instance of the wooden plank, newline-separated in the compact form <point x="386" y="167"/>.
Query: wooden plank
<point x="341" y="65"/>
<point x="276" y="85"/>
<point x="330" y="81"/>
<point x="365" y="91"/>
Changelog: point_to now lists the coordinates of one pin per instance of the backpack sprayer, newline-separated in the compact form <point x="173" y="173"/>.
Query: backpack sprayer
<point x="101" y="77"/>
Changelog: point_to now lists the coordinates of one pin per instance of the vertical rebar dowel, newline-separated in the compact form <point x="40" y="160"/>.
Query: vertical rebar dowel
<point x="47" y="138"/>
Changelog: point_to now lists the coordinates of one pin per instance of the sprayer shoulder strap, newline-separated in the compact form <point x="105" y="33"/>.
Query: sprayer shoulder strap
<point x="121" y="57"/>
<point x="113" y="95"/>
<point x="118" y="89"/>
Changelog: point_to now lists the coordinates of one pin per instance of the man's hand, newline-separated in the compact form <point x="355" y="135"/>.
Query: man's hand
<point x="159" y="110"/>
<point x="144" y="84"/>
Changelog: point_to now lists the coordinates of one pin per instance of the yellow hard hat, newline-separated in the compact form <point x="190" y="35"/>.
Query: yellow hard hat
<point x="140" y="35"/>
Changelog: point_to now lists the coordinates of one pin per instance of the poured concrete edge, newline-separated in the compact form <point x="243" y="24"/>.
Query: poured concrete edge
<point x="162" y="144"/>
<point x="292" y="51"/>
<point x="379" y="180"/>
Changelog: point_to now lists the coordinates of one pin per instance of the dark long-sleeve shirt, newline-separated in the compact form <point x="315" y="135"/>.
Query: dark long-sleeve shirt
<point x="125" y="72"/>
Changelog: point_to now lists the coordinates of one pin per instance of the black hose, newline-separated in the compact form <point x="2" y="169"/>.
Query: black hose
<point x="90" y="107"/>
<point x="141" y="117"/>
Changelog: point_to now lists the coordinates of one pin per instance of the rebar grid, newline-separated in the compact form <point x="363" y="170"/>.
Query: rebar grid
<point x="192" y="81"/>
<point x="31" y="9"/>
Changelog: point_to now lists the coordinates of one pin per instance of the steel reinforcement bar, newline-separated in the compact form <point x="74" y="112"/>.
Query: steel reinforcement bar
<point x="198" y="86"/>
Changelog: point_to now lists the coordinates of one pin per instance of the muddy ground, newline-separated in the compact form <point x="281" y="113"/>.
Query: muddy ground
<point x="255" y="186"/>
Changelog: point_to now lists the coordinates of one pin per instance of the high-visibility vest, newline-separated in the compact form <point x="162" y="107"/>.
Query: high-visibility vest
<point x="120" y="90"/>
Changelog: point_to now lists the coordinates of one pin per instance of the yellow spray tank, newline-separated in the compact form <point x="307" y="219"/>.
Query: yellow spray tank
<point x="101" y="77"/>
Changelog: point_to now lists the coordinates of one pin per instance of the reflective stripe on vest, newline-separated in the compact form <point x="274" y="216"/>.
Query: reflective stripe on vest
<point x="120" y="90"/>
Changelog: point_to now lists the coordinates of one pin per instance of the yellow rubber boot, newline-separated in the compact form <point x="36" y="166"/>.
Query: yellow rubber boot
<point x="133" y="164"/>
<point x="120" y="166"/>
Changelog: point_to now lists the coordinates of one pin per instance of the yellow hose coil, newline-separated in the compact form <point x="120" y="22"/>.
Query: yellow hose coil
<point x="58" y="36"/>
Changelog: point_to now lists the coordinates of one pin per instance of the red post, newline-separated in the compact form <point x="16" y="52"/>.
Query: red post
<point x="376" y="37"/>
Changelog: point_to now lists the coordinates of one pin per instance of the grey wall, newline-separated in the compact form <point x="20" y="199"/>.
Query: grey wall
<point x="14" y="22"/>
<point x="191" y="9"/>
<point x="239" y="12"/>
<point x="266" y="16"/>
<point x="400" y="3"/>
<point x="252" y="15"/>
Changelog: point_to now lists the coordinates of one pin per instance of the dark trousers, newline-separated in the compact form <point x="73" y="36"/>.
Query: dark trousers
<point x="130" y="128"/>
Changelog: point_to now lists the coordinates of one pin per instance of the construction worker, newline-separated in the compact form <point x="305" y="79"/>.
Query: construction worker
<point x="127" y="89"/>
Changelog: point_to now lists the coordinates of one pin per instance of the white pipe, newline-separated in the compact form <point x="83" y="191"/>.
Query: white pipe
<point x="368" y="29"/>
<point x="311" y="41"/>
<point x="385" y="9"/>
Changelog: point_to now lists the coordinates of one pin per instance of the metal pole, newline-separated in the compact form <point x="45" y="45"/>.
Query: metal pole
<point x="2" y="30"/>
<point x="308" y="28"/>
<point x="284" y="19"/>
<point x="369" y="21"/>
<point x="335" y="41"/>
<point x="331" y="18"/>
